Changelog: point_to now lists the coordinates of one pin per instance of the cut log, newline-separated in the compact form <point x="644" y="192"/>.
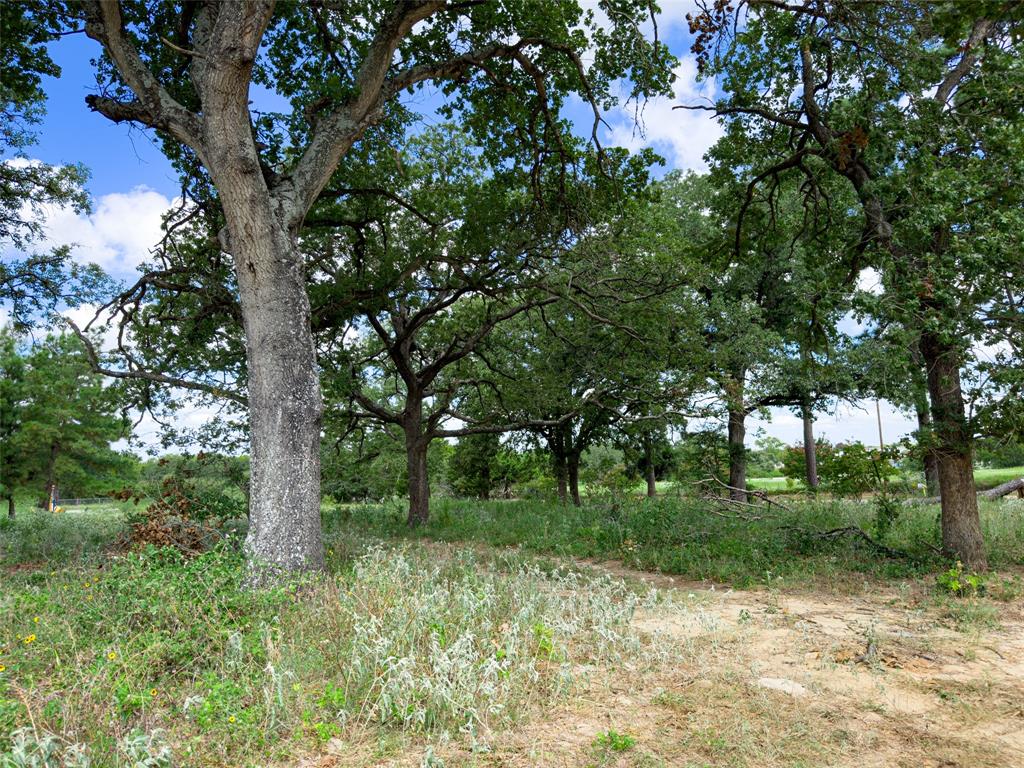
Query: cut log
<point x="993" y="493"/>
<point x="1005" y="489"/>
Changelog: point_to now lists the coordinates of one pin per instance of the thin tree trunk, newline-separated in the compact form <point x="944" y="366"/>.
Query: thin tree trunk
<point x="10" y="507"/>
<point x="485" y="489"/>
<point x="961" y="525"/>
<point x="737" y="455"/>
<point x="416" y="460"/>
<point x="51" y="477"/>
<point x="810" y="448"/>
<point x="562" y="478"/>
<point x="652" y="480"/>
<point x="574" y="477"/>
<point x="929" y="459"/>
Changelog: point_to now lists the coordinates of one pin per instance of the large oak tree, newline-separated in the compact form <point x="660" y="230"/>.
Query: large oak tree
<point x="191" y="71"/>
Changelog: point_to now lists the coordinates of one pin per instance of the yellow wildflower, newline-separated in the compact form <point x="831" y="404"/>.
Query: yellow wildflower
<point x="231" y="719"/>
<point x="35" y="620"/>
<point x="29" y="639"/>
<point x="2" y="667"/>
<point x="111" y="655"/>
<point x="153" y="692"/>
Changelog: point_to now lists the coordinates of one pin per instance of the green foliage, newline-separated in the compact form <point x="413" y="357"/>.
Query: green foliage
<point x="888" y="507"/>
<point x="57" y="421"/>
<point x="404" y="639"/>
<point x="35" y="536"/>
<point x="766" y="459"/>
<point x="370" y="464"/>
<point x="998" y="453"/>
<point x="614" y="741"/>
<point x="206" y="487"/>
<point x="961" y="583"/>
<point x="701" y="454"/>
<point x="845" y="469"/>
<point x="472" y="465"/>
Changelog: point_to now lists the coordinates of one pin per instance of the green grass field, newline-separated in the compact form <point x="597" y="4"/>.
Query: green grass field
<point x="984" y="478"/>
<point x="689" y="537"/>
<point x="133" y="656"/>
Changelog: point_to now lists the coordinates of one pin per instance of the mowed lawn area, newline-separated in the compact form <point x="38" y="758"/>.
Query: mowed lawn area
<point x="984" y="477"/>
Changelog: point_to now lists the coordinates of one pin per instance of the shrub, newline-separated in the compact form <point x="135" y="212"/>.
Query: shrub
<point x="845" y="469"/>
<point x="956" y="581"/>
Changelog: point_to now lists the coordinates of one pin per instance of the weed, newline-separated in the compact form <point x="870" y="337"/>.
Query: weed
<point x="398" y="639"/>
<point x="614" y="741"/>
<point x="956" y="581"/>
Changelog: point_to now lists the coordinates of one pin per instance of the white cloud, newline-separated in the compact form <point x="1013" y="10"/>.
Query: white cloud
<point x="117" y="235"/>
<point x="847" y="423"/>
<point x="83" y="314"/>
<point x="672" y="17"/>
<point x="869" y="280"/>
<point x="682" y="136"/>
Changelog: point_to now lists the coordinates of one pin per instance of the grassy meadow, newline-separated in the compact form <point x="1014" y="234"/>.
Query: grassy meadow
<point x="456" y="633"/>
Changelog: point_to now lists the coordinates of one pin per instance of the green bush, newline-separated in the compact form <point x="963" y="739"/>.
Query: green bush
<point x="957" y="581"/>
<point x="845" y="469"/>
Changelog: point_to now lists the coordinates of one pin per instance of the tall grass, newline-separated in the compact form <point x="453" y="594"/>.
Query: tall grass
<point x="42" y="538"/>
<point x="690" y="537"/>
<point x="100" y="654"/>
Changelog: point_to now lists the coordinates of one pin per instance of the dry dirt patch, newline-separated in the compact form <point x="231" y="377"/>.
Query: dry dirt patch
<point x="760" y="678"/>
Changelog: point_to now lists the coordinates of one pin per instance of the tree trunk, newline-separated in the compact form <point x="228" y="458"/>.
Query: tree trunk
<point x="961" y="525"/>
<point x="652" y="480"/>
<point x="419" y="484"/>
<point x="994" y="493"/>
<point x="810" y="448"/>
<point x="285" y="405"/>
<point x="51" y="478"/>
<point x="930" y="460"/>
<point x="561" y="474"/>
<point x="10" y="507"/>
<point x="416" y="460"/>
<point x="737" y="455"/>
<point x="485" y="476"/>
<point x="574" y="477"/>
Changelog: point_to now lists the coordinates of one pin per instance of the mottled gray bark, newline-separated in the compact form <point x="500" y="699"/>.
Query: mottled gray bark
<point x="285" y="404"/>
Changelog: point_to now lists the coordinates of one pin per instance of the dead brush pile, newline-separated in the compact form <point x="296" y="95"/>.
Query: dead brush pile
<point x="181" y="517"/>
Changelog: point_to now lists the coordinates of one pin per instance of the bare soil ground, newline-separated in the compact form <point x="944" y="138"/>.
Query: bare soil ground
<point x="886" y="677"/>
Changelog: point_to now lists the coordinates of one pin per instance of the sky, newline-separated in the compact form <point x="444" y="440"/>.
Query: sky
<point x="132" y="184"/>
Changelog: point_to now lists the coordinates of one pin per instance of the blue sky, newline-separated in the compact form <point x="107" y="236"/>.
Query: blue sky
<point x="118" y="157"/>
<point x="132" y="184"/>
